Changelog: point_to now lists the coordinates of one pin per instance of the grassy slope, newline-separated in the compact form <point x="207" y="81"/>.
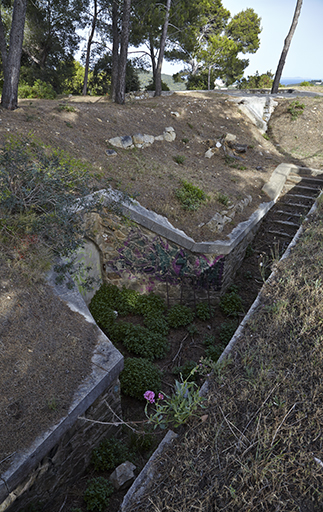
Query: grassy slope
<point x="261" y="446"/>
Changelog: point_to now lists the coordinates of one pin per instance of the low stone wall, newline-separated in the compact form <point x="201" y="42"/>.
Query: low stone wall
<point x="61" y="454"/>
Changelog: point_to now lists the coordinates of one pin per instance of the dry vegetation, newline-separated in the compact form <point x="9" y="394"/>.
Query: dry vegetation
<point x="261" y="446"/>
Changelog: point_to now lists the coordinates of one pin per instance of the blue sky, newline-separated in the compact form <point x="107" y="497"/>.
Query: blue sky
<point x="305" y="56"/>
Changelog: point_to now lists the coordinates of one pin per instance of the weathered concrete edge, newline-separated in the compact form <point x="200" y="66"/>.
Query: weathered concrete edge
<point x="147" y="474"/>
<point x="107" y="363"/>
<point x="161" y="225"/>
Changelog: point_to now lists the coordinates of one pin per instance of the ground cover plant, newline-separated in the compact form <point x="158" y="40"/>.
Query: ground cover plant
<point x="260" y="447"/>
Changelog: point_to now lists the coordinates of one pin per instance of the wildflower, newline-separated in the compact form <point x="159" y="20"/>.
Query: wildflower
<point x="160" y="396"/>
<point x="150" y="396"/>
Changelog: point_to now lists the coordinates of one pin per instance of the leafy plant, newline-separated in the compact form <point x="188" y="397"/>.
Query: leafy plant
<point x="186" y="370"/>
<point x="110" y="453"/>
<point x="190" y="196"/>
<point x="40" y="89"/>
<point x="179" y="159"/>
<point x="139" y="375"/>
<point x="212" y="350"/>
<point x="67" y="108"/>
<point x="231" y="303"/>
<point x="177" y="408"/>
<point x="204" y="311"/>
<point x="227" y="330"/>
<point x="185" y="140"/>
<point x="295" y="109"/>
<point x="223" y="199"/>
<point x="145" y="343"/>
<point x="180" y="316"/>
<point x="266" y="136"/>
<point x="156" y="322"/>
<point x="97" y="493"/>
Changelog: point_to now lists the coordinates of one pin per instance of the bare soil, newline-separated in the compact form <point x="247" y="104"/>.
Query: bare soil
<point x="43" y="355"/>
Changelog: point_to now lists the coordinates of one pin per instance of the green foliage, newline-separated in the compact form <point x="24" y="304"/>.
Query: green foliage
<point x="190" y="196"/>
<point x="266" y="136"/>
<point x="257" y="81"/>
<point x="212" y="350"/>
<point x="150" y="304"/>
<point x="66" y="108"/>
<point x="39" y="90"/>
<point x="97" y="493"/>
<point x="42" y="187"/>
<point x="231" y="303"/>
<point x="145" y="343"/>
<point x="186" y="370"/>
<point x="151" y="86"/>
<point x="109" y="454"/>
<point x="100" y="81"/>
<point x="156" y="322"/>
<point x="223" y="199"/>
<point x="139" y="375"/>
<point x="199" y="81"/>
<point x="180" y="316"/>
<point x="142" y="441"/>
<point x="305" y="83"/>
<point x="227" y="330"/>
<point x="179" y="407"/>
<point x="295" y="109"/>
<point x="203" y="311"/>
<point x="179" y="159"/>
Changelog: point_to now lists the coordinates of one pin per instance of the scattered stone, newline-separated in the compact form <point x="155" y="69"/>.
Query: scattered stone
<point x="148" y="139"/>
<point x="160" y="137"/>
<point x="175" y="114"/>
<point x="111" y="152"/>
<point x="126" y="141"/>
<point x="239" y="148"/>
<point x="123" y="476"/>
<point x="116" y="142"/>
<point x="218" y="145"/>
<point x="218" y="222"/>
<point x="209" y="153"/>
<point x="138" y="138"/>
<point x="169" y="134"/>
<point x="230" y="137"/>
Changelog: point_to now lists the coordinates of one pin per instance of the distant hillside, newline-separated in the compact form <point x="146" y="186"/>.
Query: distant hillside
<point x="146" y="76"/>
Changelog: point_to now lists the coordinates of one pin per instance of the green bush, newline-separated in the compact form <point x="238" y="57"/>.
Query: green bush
<point x="257" y="81"/>
<point x="119" y="330"/>
<point x="138" y="376"/>
<point x="190" y="196"/>
<point x="212" y="350"/>
<point x="203" y="311"/>
<point x="185" y="371"/>
<point x="231" y="303"/>
<point x="97" y="493"/>
<point x="145" y="343"/>
<point x="40" y="89"/>
<point x="150" y="304"/>
<point x="151" y="86"/>
<point x="110" y="454"/>
<point x="156" y="322"/>
<point x="295" y="109"/>
<point x="227" y="330"/>
<point x="180" y="316"/>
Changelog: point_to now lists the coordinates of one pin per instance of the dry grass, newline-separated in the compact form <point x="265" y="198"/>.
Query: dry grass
<point x="261" y="446"/>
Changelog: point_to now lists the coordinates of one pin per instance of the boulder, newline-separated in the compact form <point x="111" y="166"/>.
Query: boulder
<point x="169" y="134"/>
<point x="123" y="476"/>
<point x="111" y="152"/>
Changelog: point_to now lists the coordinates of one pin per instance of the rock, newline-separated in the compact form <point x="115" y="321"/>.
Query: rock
<point x="230" y="137"/>
<point x="169" y="134"/>
<point x="138" y="138"/>
<point x="160" y="137"/>
<point x="218" y="145"/>
<point x="218" y="222"/>
<point x="175" y="114"/>
<point x="239" y="148"/>
<point x="123" y="476"/>
<point x="116" y="142"/>
<point x="126" y="141"/>
<point x="148" y="139"/>
<point x="209" y="153"/>
<point x="111" y="152"/>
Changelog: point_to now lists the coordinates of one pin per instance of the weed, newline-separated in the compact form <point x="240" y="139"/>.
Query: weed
<point x="295" y="109"/>
<point x="97" y="493"/>
<point x="192" y="329"/>
<point x="139" y="375"/>
<point x="145" y="343"/>
<point x="190" y="196"/>
<point x="266" y="136"/>
<point x="249" y="251"/>
<point x="190" y="126"/>
<point x="66" y="108"/>
<point x="142" y="441"/>
<point x="227" y="330"/>
<point x="203" y="311"/>
<point x="185" y="370"/>
<point x="185" y="140"/>
<point x="212" y="351"/>
<point x="179" y="159"/>
<point x="179" y="316"/>
<point x="52" y="404"/>
<point x="223" y="199"/>
<point x="68" y="124"/>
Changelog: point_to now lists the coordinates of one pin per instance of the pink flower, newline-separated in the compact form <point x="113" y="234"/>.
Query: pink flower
<point x="160" y="396"/>
<point x="150" y="396"/>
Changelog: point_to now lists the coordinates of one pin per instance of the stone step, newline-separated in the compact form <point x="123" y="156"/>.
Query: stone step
<point x="280" y="233"/>
<point x="291" y="214"/>
<point x="286" y="223"/>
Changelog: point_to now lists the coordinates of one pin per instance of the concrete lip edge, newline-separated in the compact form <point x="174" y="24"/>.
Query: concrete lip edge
<point x="107" y="363"/>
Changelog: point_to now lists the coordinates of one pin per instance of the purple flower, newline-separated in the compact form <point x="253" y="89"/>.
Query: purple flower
<point x="160" y="396"/>
<point x="150" y="396"/>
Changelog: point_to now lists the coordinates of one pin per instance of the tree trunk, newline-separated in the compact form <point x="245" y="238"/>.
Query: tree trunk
<point x="209" y="78"/>
<point x="152" y="57"/>
<point x="287" y="43"/>
<point x="88" y="49"/>
<point x="121" y="84"/>
<point x="11" y="58"/>
<point x="115" y="49"/>
<point x="158" y="84"/>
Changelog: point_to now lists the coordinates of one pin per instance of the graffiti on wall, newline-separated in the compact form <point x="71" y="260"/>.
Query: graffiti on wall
<point x="160" y="260"/>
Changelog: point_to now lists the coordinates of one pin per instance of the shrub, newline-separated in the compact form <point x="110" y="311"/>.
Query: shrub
<point x="150" y="304"/>
<point x="109" y="454"/>
<point x="40" y="89"/>
<point x="257" y="81"/>
<point x="119" y="331"/>
<point x="295" y="109"/>
<point x="231" y="303"/>
<point x="227" y="330"/>
<point x="212" y="350"/>
<point x="139" y="375"/>
<point x="203" y="311"/>
<point x="157" y="323"/>
<point x="180" y="316"/>
<point x="151" y="86"/>
<point x="179" y="159"/>
<point x="97" y="493"/>
<point x="186" y="371"/>
<point x="145" y="343"/>
<point x="190" y="196"/>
